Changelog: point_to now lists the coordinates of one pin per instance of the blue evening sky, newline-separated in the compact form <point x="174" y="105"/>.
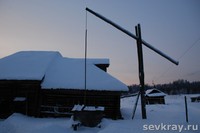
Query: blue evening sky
<point x="172" y="26"/>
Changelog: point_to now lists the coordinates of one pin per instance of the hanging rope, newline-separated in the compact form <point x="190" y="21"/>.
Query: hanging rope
<point x="85" y="82"/>
<point x="180" y="57"/>
<point x="189" y="48"/>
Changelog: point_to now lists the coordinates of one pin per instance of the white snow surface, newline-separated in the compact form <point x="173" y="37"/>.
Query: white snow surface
<point x="172" y="113"/>
<point x="70" y="73"/>
<point x="77" y="107"/>
<point x="58" y="72"/>
<point x="87" y="108"/>
<point x="19" y="99"/>
<point x="26" y="65"/>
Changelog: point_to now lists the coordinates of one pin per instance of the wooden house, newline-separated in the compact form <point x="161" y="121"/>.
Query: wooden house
<point x="43" y="83"/>
<point x="195" y="98"/>
<point x="155" y="96"/>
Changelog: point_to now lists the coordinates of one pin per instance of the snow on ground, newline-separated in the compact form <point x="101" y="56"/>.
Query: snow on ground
<point x="168" y="118"/>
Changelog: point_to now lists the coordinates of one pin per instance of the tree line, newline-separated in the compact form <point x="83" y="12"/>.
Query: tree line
<point x="180" y="86"/>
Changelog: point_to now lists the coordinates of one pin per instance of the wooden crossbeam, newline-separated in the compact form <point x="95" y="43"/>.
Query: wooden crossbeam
<point x="132" y="35"/>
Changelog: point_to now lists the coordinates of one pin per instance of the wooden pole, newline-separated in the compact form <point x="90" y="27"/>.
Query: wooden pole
<point x="186" y="109"/>
<point x="131" y="35"/>
<point x="135" y="106"/>
<point x="85" y="63"/>
<point x="141" y="70"/>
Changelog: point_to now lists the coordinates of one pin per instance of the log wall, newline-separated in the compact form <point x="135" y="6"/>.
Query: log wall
<point x="11" y="89"/>
<point x="68" y="98"/>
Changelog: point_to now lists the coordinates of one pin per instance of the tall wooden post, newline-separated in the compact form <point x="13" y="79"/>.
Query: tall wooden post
<point x="141" y="70"/>
<point x="186" y="110"/>
<point x="85" y="63"/>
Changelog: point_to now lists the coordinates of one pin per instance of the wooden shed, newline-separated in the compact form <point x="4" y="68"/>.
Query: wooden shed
<point x="43" y="83"/>
<point x="155" y="96"/>
<point x="195" y="99"/>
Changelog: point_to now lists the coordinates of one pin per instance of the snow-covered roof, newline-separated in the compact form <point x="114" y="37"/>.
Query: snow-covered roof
<point x="154" y="93"/>
<point x="70" y="73"/>
<point x="58" y="72"/>
<point x="26" y="65"/>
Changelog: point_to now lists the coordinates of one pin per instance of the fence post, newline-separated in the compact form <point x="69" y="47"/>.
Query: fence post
<point x="186" y="109"/>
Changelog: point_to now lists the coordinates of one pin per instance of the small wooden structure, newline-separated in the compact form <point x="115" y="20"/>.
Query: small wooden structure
<point x="89" y="116"/>
<point x="195" y="99"/>
<point x="155" y="96"/>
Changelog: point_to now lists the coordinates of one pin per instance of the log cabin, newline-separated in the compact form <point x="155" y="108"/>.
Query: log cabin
<point x="44" y="83"/>
<point x="155" y="96"/>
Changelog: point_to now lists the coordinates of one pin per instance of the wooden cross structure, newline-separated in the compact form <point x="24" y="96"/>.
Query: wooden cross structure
<point x="139" y="42"/>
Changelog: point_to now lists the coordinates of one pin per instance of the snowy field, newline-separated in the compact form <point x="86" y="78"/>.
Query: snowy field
<point x="168" y="118"/>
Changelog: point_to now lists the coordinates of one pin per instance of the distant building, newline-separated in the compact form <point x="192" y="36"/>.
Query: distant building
<point x="43" y="83"/>
<point x="195" y="98"/>
<point x="155" y="96"/>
